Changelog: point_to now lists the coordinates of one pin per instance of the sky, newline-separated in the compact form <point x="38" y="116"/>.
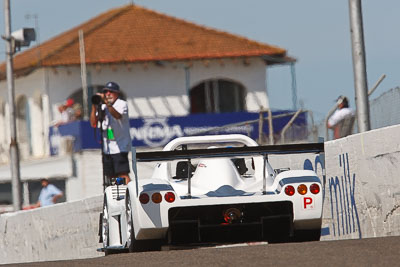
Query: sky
<point x="315" y="32"/>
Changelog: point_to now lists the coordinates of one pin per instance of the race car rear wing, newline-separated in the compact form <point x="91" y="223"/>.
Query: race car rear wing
<point x="230" y="152"/>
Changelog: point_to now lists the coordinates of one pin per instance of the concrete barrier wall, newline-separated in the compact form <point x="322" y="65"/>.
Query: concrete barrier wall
<point x="362" y="185"/>
<point x="361" y="199"/>
<point x="62" y="231"/>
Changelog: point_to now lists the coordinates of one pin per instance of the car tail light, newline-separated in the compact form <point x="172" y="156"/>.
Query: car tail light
<point x="156" y="198"/>
<point x="169" y="197"/>
<point x="314" y="188"/>
<point x="144" y="198"/>
<point x="289" y="190"/>
<point x="302" y="189"/>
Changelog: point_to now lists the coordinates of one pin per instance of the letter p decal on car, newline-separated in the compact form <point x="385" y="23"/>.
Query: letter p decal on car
<point x="308" y="203"/>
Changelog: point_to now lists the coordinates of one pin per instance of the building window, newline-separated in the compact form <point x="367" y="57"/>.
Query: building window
<point x="217" y="96"/>
<point x="5" y="194"/>
<point x="35" y="187"/>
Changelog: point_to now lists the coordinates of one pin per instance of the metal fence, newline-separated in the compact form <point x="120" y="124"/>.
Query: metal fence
<point x="385" y="109"/>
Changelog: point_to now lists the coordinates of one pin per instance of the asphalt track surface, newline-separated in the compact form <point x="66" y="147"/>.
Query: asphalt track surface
<point x="364" y="252"/>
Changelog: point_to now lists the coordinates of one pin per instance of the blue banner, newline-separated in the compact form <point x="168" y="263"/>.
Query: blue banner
<point x="156" y="132"/>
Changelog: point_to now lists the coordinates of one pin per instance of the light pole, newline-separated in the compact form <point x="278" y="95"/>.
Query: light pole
<point x="19" y="38"/>
<point x="14" y="155"/>
<point x="359" y="66"/>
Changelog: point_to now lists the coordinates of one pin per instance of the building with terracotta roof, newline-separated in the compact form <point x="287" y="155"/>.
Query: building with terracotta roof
<point x="164" y="65"/>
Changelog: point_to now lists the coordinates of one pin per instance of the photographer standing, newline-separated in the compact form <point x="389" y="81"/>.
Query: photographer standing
<point x="112" y="113"/>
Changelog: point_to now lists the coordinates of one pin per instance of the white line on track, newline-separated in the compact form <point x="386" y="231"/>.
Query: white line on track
<point x="241" y="245"/>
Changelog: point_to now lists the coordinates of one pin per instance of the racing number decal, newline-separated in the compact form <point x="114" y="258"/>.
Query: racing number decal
<point x="308" y="203"/>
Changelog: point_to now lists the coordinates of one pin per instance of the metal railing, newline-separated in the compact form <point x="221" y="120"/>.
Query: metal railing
<point x="260" y="122"/>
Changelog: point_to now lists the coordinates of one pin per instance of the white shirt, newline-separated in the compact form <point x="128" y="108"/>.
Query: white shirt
<point x="47" y="193"/>
<point x="121" y="140"/>
<point x="67" y="115"/>
<point x="340" y="115"/>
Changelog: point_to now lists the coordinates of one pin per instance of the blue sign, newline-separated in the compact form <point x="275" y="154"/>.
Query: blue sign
<point x="156" y="132"/>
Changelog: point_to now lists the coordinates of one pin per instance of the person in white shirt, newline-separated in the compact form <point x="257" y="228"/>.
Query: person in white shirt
<point x="117" y="141"/>
<point x="66" y="112"/>
<point x="48" y="195"/>
<point x="342" y="119"/>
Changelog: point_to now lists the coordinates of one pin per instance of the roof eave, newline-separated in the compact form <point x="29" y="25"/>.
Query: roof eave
<point x="282" y="60"/>
<point x="268" y="59"/>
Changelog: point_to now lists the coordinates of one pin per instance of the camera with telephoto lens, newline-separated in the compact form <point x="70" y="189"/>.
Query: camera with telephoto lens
<point x="96" y="100"/>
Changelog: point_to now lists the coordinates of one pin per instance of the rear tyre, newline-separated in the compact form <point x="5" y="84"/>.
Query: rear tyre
<point x="132" y="244"/>
<point x="104" y="225"/>
<point x="105" y="230"/>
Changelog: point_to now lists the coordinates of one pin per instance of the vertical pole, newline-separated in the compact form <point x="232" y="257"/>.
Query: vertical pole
<point x="359" y="66"/>
<point x="189" y="179"/>
<point x="294" y="86"/>
<point x="261" y="126"/>
<point x="187" y="85"/>
<point x="83" y="76"/>
<point x="25" y="198"/>
<point x="134" y="167"/>
<point x="264" y="190"/>
<point x="271" y="127"/>
<point x="14" y="155"/>
<point x="215" y="93"/>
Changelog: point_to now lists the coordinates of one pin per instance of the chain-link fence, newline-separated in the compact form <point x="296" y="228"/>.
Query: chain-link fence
<point x="385" y="109"/>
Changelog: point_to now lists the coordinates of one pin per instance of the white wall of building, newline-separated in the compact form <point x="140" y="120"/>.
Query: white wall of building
<point x="151" y="80"/>
<point x="45" y="88"/>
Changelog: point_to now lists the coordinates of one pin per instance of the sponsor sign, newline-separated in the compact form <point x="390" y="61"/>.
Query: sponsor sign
<point x="156" y="132"/>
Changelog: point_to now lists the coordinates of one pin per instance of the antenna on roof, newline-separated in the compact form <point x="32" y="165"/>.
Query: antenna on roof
<point x="132" y="2"/>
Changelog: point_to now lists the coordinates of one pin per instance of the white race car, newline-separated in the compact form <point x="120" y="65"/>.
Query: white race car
<point x="226" y="192"/>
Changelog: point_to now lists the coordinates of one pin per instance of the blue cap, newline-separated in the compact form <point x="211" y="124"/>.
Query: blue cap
<point x="112" y="86"/>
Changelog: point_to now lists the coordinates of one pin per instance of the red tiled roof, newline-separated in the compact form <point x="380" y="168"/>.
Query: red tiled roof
<point x="135" y="34"/>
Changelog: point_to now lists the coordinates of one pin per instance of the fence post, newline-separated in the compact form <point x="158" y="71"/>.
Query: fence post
<point x="288" y="125"/>
<point x="271" y="127"/>
<point x="260" y="126"/>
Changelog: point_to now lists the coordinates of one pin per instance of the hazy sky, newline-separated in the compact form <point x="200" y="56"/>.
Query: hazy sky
<point x="316" y="32"/>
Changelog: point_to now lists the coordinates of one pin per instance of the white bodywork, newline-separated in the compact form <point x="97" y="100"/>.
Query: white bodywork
<point x="215" y="181"/>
